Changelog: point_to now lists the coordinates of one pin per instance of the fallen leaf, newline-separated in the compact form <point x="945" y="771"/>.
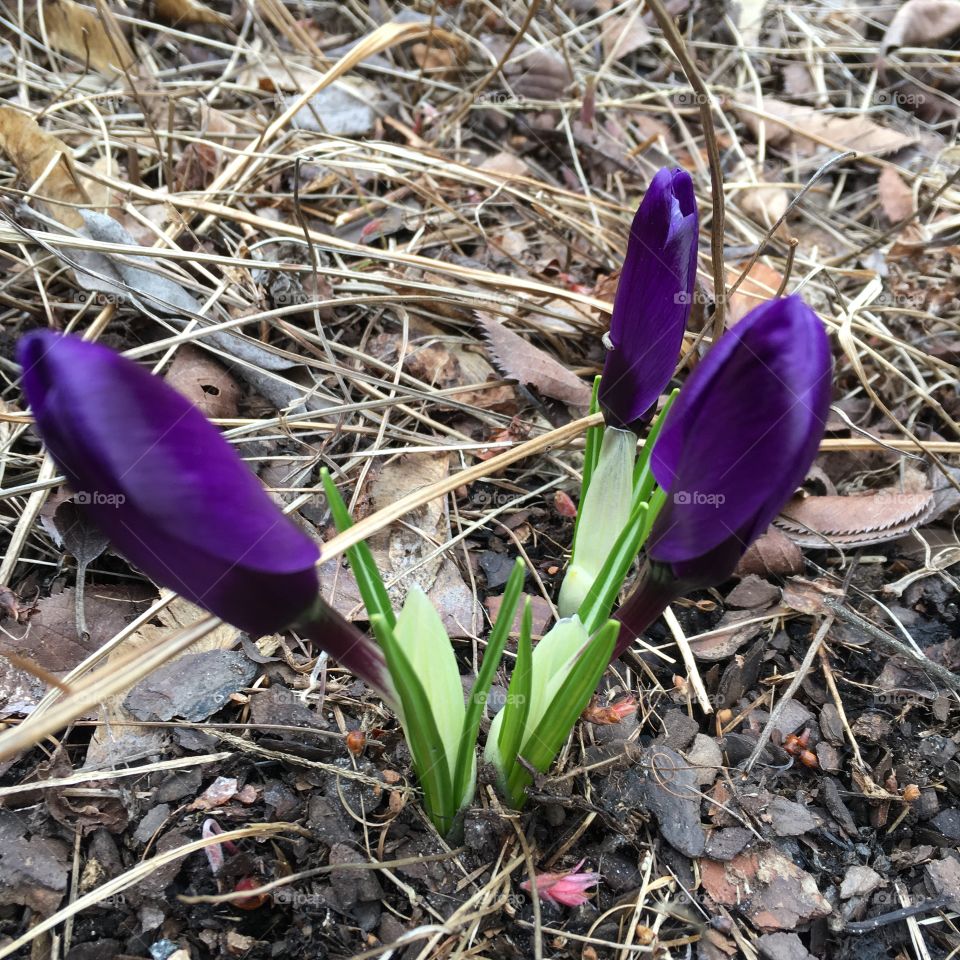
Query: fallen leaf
<point x="622" y="34"/>
<point x="51" y="641"/>
<point x="181" y="12"/>
<point x="35" y="152"/>
<point x="774" y="554"/>
<point x="407" y="551"/>
<point x="522" y="361"/>
<point x="758" y="286"/>
<point x="83" y="808"/>
<point x="432" y="357"/>
<point x="439" y="62"/>
<point x="730" y="634"/>
<point x="765" y="204"/>
<point x="809" y="596"/>
<point x="921" y="23"/>
<point x="797" y="81"/>
<point x="508" y="164"/>
<point x="84" y="34"/>
<point x="810" y="129"/>
<point x="537" y="74"/>
<point x="855" y="521"/>
<point x="895" y="194"/>
<point x="766" y="887"/>
<point x="340" y="110"/>
<point x="752" y="592"/>
<point x="117" y="738"/>
<point x="204" y="382"/>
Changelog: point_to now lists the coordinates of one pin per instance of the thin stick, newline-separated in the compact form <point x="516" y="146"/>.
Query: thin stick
<point x="377" y="521"/>
<point x="892" y="644"/>
<point x="705" y="102"/>
<point x="693" y="673"/>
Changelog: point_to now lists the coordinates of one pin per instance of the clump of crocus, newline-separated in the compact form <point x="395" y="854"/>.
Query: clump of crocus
<point x="650" y="313"/>
<point x="736" y="444"/>
<point x="566" y="889"/>
<point x="174" y="498"/>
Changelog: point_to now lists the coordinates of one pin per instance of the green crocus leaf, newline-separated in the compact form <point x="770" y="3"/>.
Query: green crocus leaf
<point x="505" y="740"/>
<point x="427" y="746"/>
<point x="424" y="641"/>
<point x="569" y="698"/>
<point x="603" y="513"/>
<point x="550" y="663"/>
<point x="465" y="773"/>
<point x="361" y="560"/>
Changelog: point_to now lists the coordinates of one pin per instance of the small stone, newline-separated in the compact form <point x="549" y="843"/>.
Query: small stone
<point x="937" y="750"/>
<point x="927" y="806"/>
<point x="727" y="842"/>
<point x="705" y="759"/>
<point x="678" y="730"/>
<point x="948" y="823"/>
<point x="828" y="757"/>
<point x="951" y="774"/>
<point x="794" y="716"/>
<point x="860" y="881"/>
<point x="151" y="822"/>
<point x="783" y="946"/>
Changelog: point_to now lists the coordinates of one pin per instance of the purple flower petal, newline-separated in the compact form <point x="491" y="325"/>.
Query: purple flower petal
<point x="175" y="499"/>
<point x="740" y="438"/>
<point x="653" y="300"/>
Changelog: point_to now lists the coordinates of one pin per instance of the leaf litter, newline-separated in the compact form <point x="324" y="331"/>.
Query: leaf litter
<point x="409" y="265"/>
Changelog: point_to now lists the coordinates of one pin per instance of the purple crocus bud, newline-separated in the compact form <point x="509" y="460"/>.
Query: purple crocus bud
<point x="736" y="444"/>
<point x="653" y="300"/>
<point x="174" y="498"/>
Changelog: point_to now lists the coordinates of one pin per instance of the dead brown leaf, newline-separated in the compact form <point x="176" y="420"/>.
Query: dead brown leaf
<point x="759" y="286"/>
<point x="51" y="640"/>
<point x="809" y="596"/>
<point x="537" y="74"/>
<point x="508" y="164"/>
<point x="118" y="737"/>
<point x="774" y="554"/>
<point x="622" y="34"/>
<point x="204" y="382"/>
<point x="181" y="12"/>
<point x="855" y="521"/>
<point x="921" y="23"/>
<point x="797" y="80"/>
<point x="765" y="204"/>
<point x="85" y="34"/>
<point x="35" y="152"/>
<point x="406" y="549"/>
<point x="895" y="194"/>
<point x="521" y="360"/>
<point x="431" y="356"/>
<point x="439" y="62"/>
<point x="807" y="129"/>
